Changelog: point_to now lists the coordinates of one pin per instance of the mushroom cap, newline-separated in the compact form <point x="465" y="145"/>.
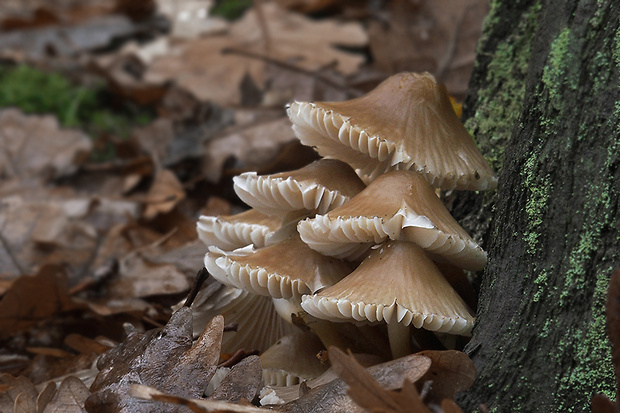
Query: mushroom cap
<point x="258" y="323"/>
<point x="407" y="122"/>
<point x="396" y="283"/>
<point x="284" y="270"/>
<point x="399" y="205"/>
<point x="292" y="359"/>
<point x="230" y="232"/>
<point x="317" y="187"/>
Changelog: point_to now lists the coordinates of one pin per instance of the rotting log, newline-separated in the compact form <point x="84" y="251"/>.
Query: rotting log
<point x="544" y="108"/>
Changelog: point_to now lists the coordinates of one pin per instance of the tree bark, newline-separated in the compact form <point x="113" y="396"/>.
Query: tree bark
<point x="545" y="108"/>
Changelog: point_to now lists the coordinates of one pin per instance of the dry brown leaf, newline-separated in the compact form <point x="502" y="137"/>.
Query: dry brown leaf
<point x="332" y="397"/>
<point x="65" y="39"/>
<point x="450" y="406"/>
<point x="69" y="398"/>
<point x="600" y="402"/>
<point x="369" y="394"/>
<point x="241" y="383"/>
<point x="436" y="36"/>
<point x="35" y="146"/>
<point x="250" y="148"/>
<point x="164" y="358"/>
<point x="200" y="67"/>
<point x="16" y="390"/>
<point x="141" y="278"/>
<point x="196" y="405"/>
<point x="165" y="193"/>
<point x="34" y="298"/>
<point x="451" y="371"/>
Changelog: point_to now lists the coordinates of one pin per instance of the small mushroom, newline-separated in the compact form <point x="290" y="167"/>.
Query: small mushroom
<point x="292" y="359"/>
<point x="287" y="269"/>
<point x="399" y="284"/>
<point x="258" y="323"/>
<point x="407" y="122"/>
<point x="318" y="187"/>
<point x="398" y="205"/>
<point x="230" y="232"/>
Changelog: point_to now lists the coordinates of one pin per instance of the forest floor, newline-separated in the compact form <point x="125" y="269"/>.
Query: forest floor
<point x="122" y="121"/>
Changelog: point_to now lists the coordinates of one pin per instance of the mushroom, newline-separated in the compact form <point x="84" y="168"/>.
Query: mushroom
<point x="318" y="187"/>
<point x="229" y="232"/>
<point x="407" y="122"/>
<point x="398" y="205"/>
<point x="292" y="359"/>
<point x="399" y="284"/>
<point x="287" y="269"/>
<point x="259" y="325"/>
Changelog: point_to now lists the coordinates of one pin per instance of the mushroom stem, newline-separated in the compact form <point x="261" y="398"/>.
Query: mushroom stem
<point x="398" y="335"/>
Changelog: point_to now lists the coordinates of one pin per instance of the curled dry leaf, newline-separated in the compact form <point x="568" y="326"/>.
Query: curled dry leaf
<point x="149" y="393"/>
<point x="451" y="371"/>
<point x="165" y="193"/>
<point x="164" y="358"/>
<point x="368" y="393"/>
<point x="332" y="397"/>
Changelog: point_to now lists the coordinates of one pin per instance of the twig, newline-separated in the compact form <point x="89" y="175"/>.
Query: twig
<point x="201" y="277"/>
<point x="292" y="68"/>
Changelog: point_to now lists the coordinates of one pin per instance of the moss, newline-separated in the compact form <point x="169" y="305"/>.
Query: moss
<point x="37" y="92"/>
<point x="538" y="189"/>
<point x="559" y="72"/>
<point x="499" y="104"/>
<point x="230" y="9"/>
<point x="592" y="352"/>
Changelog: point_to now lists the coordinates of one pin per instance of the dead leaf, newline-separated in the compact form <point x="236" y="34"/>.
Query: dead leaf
<point x="164" y="358"/>
<point x="66" y="40"/>
<point x="451" y="371"/>
<point x="450" y="406"/>
<point x="249" y="148"/>
<point x="34" y="298"/>
<point x="14" y="388"/>
<point x="363" y="388"/>
<point x="436" y="36"/>
<point x="35" y="146"/>
<point x="332" y="397"/>
<point x="69" y="398"/>
<point x="216" y="406"/>
<point x="165" y="193"/>
<point x="241" y="383"/>
<point x="600" y="402"/>
<point x="141" y="278"/>
<point x="200" y="67"/>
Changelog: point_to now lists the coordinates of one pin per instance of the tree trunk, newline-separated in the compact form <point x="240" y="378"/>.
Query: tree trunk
<point x="545" y="109"/>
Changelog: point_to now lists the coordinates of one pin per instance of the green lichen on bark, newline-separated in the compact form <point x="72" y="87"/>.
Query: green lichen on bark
<point x="498" y="106"/>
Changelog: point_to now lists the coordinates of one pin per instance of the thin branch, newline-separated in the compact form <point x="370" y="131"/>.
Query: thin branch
<point x="292" y="68"/>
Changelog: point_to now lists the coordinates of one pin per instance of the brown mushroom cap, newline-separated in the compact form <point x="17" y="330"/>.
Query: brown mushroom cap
<point x="318" y="187"/>
<point x="396" y="283"/>
<point x="230" y="232"/>
<point x="407" y="122"/>
<point x="284" y="270"/>
<point x="399" y="205"/>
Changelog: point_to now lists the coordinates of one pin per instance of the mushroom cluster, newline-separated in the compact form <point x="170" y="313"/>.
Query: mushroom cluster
<point x="360" y="235"/>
